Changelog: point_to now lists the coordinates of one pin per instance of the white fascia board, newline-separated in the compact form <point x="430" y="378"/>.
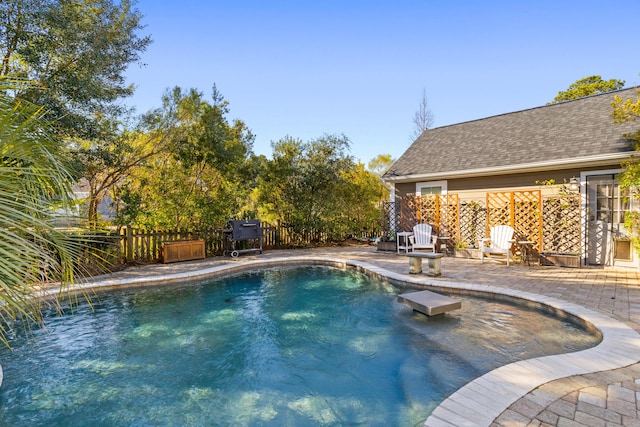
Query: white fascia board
<point x="589" y="161"/>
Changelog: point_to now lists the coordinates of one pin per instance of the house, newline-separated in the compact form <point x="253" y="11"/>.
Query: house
<point x="574" y="141"/>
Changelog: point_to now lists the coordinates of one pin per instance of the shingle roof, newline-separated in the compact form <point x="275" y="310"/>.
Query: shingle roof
<point x="571" y="130"/>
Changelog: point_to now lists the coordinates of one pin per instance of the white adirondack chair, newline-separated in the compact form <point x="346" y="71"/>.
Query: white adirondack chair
<point x="422" y="238"/>
<point x="499" y="243"/>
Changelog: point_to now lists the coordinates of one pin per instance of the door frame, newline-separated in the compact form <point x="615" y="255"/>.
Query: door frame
<point x="585" y="219"/>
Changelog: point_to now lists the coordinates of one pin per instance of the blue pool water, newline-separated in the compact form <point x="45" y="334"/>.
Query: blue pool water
<point x="290" y="346"/>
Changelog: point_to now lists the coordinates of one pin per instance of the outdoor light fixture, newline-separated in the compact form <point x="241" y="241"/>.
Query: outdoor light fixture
<point x="574" y="185"/>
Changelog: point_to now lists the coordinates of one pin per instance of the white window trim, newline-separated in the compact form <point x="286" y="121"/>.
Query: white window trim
<point x="441" y="184"/>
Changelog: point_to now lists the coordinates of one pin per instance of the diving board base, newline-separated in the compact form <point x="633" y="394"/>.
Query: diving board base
<point x="429" y="303"/>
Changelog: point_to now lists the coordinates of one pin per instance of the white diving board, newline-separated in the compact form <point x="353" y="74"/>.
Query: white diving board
<point x="429" y="303"/>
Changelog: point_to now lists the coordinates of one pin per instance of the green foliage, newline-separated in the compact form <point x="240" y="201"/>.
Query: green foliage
<point x="624" y="111"/>
<point x="317" y="186"/>
<point x="75" y="54"/>
<point x="34" y="190"/>
<point x="380" y="164"/>
<point x="200" y="171"/>
<point x="588" y="86"/>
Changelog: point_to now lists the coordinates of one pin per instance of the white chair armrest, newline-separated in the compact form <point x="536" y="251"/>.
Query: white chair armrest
<point x="412" y="239"/>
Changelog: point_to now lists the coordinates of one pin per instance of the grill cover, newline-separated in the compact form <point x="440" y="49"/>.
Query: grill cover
<point x="244" y="229"/>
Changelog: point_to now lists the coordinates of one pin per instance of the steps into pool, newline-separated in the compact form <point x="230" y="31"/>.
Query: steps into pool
<point x="429" y="303"/>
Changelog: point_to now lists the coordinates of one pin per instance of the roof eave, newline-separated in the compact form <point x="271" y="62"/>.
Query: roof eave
<point x="579" y="162"/>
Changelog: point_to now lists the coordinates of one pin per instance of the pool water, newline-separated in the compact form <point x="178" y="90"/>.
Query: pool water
<point x="289" y="346"/>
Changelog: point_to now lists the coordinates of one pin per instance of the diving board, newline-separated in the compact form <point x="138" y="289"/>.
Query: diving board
<point x="429" y="303"/>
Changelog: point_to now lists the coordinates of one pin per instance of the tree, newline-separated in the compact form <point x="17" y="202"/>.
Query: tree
<point x="380" y="164"/>
<point x="34" y="185"/>
<point x="104" y="164"/>
<point x="204" y="174"/>
<point x="362" y="195"/>
<point x="625" y="110"/>
<point x="423" y="119"/>
<point x="299" y="184"/>
<point x="75" y="53"/>
<point x="587" y="86"/>
<point x="316" y="186"/>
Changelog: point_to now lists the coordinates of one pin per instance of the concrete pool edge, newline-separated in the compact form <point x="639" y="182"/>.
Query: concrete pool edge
<point x="481" y="401"/>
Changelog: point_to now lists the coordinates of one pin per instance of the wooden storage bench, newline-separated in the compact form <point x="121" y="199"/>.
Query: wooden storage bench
<point x="184" y="250"/>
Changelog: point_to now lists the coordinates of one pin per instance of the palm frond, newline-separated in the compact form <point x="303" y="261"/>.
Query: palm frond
<point x="34" y="183"/>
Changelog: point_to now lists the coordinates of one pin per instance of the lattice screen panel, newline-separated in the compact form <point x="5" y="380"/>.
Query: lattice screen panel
<point x="527" y="216"/>
<point x="522" y="210"/>
<point x="562" y="228"/>
<point x="472" y="219"/>
<point x="410" y="212"/>
<point x="448" y="217"/>
<point x="498" y="210"/>
<point x="428" y="212"/>
<point x="391" y="216"/>
<point x="439" y="210"/>
<point x="554" y="223"/>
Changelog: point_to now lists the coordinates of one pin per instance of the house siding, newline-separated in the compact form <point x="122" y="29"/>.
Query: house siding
<point x="477" y="187"/>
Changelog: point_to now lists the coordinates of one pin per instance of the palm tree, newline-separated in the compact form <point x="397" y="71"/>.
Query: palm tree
<point x="34" y="182"/>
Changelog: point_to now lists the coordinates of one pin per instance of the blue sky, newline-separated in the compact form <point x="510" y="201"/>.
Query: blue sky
<point x="306" y="68"/>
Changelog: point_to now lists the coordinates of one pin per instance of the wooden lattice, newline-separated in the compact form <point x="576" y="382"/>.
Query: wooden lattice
<point x="562" y="224"/>
<point x="410" y="212"/>
<point x="428" y="208"/>
<point x="448" y="219"/>
<point x="527" y="216"/>
<point x="439" y="210"/>
<point x="522" y="210"/>
<point x="472" y="222"/>
<point x="552" y="223"/>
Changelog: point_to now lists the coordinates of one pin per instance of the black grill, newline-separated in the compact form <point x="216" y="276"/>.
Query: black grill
<point x="246" y="231"/>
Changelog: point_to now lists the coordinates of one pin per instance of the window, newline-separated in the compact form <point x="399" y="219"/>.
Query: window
<point x="433" y="187"/>
<point x="611" y="202"/>
<point x="430" y="190"/>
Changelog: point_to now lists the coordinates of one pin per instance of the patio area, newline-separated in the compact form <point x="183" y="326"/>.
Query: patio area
<point x="609" y="397"/>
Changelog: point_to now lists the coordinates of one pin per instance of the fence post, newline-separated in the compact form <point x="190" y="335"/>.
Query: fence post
<point x="129" y="243"/>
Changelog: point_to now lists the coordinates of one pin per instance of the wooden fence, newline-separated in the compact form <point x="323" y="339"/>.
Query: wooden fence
<point x="554" y="223"/>
<point x="139" y="245"/>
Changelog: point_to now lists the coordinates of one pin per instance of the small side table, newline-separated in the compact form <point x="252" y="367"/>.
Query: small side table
<point x="527" y="246"/>
<point x="443" y="243"/>
<point x="403" y="241"/>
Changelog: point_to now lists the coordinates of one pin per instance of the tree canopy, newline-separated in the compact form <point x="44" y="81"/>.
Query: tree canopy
<point x="625" y="110"/>
<point x="198" y="170"/>
<point x="591" y="85"/>
<point x="316" y="185"/>
<point x="182" y="165"/>
<point x="74" y="54"/>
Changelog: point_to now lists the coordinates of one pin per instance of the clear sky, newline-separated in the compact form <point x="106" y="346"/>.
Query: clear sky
<point x="358" y="68"/>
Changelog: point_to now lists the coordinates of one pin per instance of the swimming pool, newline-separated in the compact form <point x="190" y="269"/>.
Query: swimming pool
<point x="284" y="346"/>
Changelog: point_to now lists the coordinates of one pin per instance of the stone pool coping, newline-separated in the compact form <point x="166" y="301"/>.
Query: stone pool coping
<point x="482" y="400"/>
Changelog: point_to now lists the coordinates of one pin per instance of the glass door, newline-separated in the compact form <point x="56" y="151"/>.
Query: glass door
<point x="607" y="205"/>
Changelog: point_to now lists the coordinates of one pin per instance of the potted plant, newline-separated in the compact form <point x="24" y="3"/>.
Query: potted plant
<point x="465" y="250"/>
<point x="387" y="242"/>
